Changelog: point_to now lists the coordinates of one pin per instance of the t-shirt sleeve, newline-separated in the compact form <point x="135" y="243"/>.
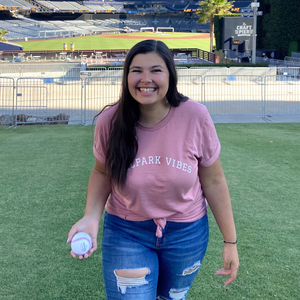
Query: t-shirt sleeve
<point x="101" y="134"/>
<point x="210" y="146"/>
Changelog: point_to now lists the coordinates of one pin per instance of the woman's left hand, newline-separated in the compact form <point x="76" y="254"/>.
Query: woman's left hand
<point x="230" y="263"/>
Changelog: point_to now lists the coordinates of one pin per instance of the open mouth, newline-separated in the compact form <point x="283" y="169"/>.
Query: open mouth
<point x="147" y="90"/>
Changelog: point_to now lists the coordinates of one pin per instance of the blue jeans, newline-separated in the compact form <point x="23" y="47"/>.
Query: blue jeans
<point x="168" y="265"/>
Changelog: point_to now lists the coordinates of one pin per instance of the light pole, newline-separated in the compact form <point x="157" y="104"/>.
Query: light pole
<point x="254" y="6"/>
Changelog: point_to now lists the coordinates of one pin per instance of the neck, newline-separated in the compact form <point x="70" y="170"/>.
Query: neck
<point x="152" y="115"/>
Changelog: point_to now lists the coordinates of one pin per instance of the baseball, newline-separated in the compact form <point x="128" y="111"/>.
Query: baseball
<point x="81" y="243"/>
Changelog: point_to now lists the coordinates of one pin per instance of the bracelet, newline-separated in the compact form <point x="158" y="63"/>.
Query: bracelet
<point x="230" y="242"/>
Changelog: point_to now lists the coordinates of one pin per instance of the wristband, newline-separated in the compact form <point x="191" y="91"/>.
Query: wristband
<point x="233" y="243"/>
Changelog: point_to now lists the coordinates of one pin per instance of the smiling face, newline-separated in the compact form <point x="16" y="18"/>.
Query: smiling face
<point x="148" y="79"/>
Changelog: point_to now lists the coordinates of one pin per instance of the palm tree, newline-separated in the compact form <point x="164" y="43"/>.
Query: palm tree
<point x="208" y="9"/>
<point x="2" y="33"/>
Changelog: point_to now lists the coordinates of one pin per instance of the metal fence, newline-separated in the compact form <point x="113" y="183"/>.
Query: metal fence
<point x="76" y="96"/>
<point x="40" y="70"/>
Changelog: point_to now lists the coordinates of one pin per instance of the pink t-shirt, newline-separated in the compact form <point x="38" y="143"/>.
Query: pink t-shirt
<point x="163" y="182"/>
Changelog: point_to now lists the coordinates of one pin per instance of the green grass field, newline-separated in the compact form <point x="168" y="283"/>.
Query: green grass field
<point x="43" y="181"/>
<point x="119" y="41"/>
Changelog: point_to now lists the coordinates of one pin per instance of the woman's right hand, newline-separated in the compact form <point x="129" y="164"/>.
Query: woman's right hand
<point x="99" y="189"/>
<point x="88" y="225"/>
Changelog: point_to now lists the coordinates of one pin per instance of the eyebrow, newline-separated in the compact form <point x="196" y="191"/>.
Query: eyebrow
<point x="152" y="67"/>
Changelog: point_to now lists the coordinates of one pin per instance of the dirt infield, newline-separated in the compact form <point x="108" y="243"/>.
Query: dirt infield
<point x="147" y="37"/>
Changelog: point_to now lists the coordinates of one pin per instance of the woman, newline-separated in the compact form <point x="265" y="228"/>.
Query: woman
<point x="157" y="162"/>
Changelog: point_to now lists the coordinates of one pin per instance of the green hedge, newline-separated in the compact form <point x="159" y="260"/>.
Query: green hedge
<point x="280" y="25"/>
<point x="260" y="65"/>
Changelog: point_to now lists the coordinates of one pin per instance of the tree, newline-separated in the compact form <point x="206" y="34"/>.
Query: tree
<point x="279" y="28"/>
<point x="208" y="9"/>
<point x="2" y="33"/>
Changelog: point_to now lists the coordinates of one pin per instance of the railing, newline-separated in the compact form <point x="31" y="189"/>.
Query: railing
<point x="90" y="56"/>
<point x="69" y="99"/>
<point x="206" y="55"/>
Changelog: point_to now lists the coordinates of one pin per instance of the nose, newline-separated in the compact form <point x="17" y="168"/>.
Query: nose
<point x="146" y="77"/>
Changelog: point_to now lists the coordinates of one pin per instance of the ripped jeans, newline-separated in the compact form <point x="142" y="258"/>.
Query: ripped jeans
<point x="138" y="265"/>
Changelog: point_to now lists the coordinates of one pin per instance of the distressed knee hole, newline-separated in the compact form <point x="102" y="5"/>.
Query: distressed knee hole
<point x="192" y="269"/>
<point x="131" y="278"/>
<point x="178" y="294"/>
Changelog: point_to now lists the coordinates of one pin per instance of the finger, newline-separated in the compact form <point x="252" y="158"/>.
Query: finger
<point x="86" y="255"/>
<point x="94" y="244"/>
<point x="73" y="254"/>
<point x="232" y="276"/>
<point x="229" y="280"/>
<point x="91" y="251"/>
<point x="223" y="272"/>
<point x="71" y="233"/>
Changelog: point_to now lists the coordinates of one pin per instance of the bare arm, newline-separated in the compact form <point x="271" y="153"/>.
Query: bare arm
<point x="98" y="191"/>
<point x="216" y="191"/>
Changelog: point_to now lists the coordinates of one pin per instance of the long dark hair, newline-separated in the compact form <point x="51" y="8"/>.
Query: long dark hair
<point x="122" y="144"/>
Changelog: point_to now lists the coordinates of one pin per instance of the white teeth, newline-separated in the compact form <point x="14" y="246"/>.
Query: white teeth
<point x="147" y="90"/>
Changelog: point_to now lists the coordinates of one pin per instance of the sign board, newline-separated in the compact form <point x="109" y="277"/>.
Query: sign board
<point x="247" y="10"/>
<point x="48" y="80"/>
<point x="247" y="16"/>
<point x="237" y="33"/>
<point x="231" y="78"/>
<point x="236" y="42"/>
<point x="259" y="13"/>
<point x="90" y="74"/>
<point x="84" y="74"/>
